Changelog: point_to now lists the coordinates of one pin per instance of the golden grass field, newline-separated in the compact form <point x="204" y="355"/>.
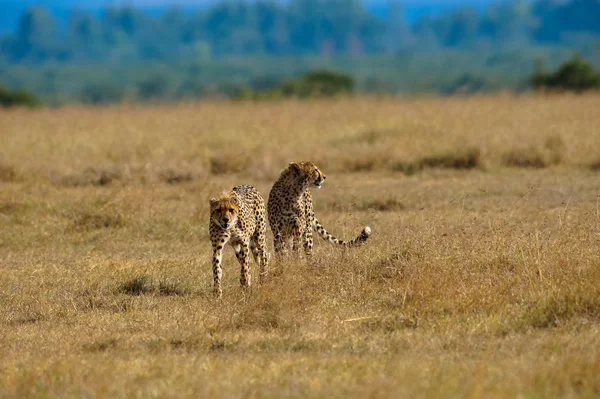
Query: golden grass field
<point x="481" y="279"/>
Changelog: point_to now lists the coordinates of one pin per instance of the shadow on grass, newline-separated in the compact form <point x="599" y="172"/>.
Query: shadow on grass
<point x="146" y="286"/>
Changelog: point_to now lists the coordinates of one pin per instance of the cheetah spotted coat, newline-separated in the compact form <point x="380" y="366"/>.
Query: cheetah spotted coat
<point x="238" y="217"/>
<point x="291" y="213"/>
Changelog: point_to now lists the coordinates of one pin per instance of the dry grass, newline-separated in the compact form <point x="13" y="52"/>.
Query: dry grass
<point x="480" y="280"/>
<point x="7" y="173"/>
<point x="552" y="153"/>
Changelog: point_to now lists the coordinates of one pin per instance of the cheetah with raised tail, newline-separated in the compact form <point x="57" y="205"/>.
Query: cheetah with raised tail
<point x="238" y="217"/>
<point x="290" y="210"/>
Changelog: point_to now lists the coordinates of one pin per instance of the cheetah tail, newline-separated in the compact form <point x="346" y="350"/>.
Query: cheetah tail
<point x="362" y="237"/>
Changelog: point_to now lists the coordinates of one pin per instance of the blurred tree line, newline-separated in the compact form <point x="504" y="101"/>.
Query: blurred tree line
<point x="264" y="27"/>
<point x="268" y="49"/>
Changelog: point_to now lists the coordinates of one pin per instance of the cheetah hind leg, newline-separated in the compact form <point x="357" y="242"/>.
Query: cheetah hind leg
<point x="278" y="243"/>
<point x="297" y="238"/>
<point x="280" y="251"/>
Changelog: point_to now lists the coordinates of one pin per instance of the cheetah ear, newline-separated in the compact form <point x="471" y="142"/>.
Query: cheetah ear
<point x="295" y="168"/>
<point x="213" y="203"/>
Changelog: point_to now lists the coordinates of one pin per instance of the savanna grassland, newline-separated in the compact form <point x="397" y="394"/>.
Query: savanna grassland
<point x="482" y="277"/>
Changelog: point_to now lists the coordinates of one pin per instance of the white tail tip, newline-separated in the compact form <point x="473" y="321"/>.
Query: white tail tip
<point x="367" y="231"/>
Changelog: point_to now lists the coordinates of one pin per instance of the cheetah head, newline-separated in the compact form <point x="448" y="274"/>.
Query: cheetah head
<point x="308" y="173"/>
<point x="224" y="211"/>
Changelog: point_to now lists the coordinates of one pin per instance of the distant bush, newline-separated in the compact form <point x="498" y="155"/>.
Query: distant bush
<point x="319" y="83"/>
<point x="244" y="93"/>
<point x="153" y="87"/>
<point x="574" y="74"/>
<point x="16" y="98"/>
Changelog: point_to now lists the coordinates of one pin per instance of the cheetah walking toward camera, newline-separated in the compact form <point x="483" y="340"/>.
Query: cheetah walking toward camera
<point x="291" y="213"/>
<point x="238" y="217"/>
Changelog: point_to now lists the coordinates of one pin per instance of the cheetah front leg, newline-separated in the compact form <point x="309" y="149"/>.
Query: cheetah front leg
<point x="242" y="254"/>
<point x="218" y="241"/>
<point x="308" y="241"/>
<point x="217" y="269"/>
<point x="308" y="228"/>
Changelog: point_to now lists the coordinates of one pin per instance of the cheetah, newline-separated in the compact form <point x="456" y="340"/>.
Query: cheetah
<point x="238" y="217"/>
<point x="290" y="210"/>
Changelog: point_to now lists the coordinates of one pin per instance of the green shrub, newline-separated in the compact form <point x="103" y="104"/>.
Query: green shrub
<point x="574" y="74"/>
<point x="154" y="87"/>
<point x="17" y="98"/>
<point x="243" y="93"/>
<point x="320" y="83"/>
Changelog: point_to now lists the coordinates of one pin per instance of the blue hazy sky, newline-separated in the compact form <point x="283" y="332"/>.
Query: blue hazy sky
<point x="154" y="3"/>
<point x="11" y="10"/>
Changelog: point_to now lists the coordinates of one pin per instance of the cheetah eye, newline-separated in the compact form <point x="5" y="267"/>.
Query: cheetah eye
<point x="231" y="210"/>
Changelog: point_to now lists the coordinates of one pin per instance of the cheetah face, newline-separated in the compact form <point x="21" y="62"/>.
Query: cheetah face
<point x="224" y="212"/>
<point x="319" y="179"/>
<point x="309" y="173"/>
